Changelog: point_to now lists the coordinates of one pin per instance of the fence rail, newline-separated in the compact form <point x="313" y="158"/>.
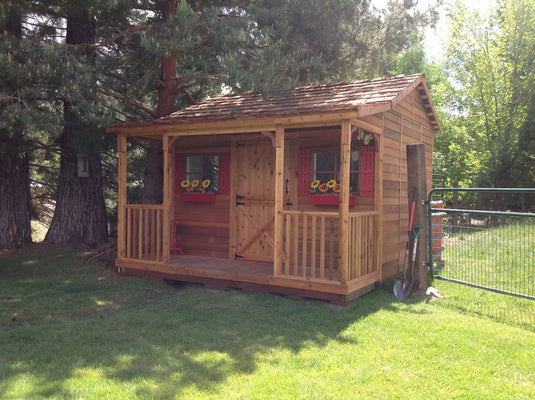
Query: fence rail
<point x="488" y="249"/>
<point x="144" y="232"/>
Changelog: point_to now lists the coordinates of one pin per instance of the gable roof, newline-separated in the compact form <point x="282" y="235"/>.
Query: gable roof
<point x="364" y="97"/>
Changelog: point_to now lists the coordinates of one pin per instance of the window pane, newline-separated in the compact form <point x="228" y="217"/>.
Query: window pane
<point x="324" y="161"/>
<point x="354" y="182"/>
<point x="211" y="171"/>
<point x="202" y="168"/>
<point x="355" y="161"/>
<point x="193" y="164"/>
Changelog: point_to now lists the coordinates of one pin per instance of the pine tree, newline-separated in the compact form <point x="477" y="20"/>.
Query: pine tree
<point x="80" y="214"/>
<point x="15" y="199"/>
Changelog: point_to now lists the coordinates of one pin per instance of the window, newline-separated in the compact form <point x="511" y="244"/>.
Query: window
<point x="326" y="167"/>
<point x="202" y="173"/>
<point x="323" y="165"/>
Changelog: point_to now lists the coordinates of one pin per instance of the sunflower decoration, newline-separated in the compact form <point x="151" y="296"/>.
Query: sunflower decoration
<point x="184" y="183"/>
<point x="189" y="187"/>
<point x="323" y="188"/>
<point x="195" y="183"/>
<point x="206" y="183"/>
<point x="331" y="184"/>
<point x="336" y="188"/>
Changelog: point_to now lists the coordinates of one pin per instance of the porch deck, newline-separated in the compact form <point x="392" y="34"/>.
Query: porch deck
<point x="249" y="276"/>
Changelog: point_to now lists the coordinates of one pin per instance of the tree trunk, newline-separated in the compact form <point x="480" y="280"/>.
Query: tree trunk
<point x="15" y="197"/>
<point x="80" y="215"/>
<point x="167" y="91"/>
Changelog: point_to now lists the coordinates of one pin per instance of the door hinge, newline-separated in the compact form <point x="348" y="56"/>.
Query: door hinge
<point x="238" y="202"/>
<point x="237" y="256"/>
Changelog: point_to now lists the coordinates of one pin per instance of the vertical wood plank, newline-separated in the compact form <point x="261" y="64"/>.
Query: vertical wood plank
<point x="233" y="217"/>
<point x="322" y="247"/>
<point x="288" y="223"/>
<point x="146" y="233"/>
<point x="167" y="199"/>
<point x="159" y="226"/>
<point x="331" y="248"/>
<point x="343" y="242"/>
<point x="295" y="243"/>
<point x="378" y="206"/>
<point x="305" y="246"/>
<point x="417" y="178"/>
<point x="313" y="249"/>
<point x="121" y="196"/>
<point x="279" y="195"/>
<point x="128" y="226"/>
<point x="140" y="234"/>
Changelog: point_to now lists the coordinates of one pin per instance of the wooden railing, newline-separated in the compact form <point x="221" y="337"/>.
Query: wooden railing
<point x="144" y="232"/>
<point x="310" y="245"/>
<point x="363" y="248"/>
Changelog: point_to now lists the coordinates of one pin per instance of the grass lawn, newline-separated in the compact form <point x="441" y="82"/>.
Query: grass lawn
<point x="70" y="330"/>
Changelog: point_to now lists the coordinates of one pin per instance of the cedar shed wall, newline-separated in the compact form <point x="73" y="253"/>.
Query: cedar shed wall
<point x="407" y="123"/>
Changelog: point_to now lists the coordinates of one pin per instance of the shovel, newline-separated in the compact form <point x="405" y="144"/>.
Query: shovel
<point x="401" y="286"/>
<point x="412" y="281"/>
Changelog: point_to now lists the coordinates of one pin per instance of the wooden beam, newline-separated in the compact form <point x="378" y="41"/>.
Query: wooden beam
<point x="417" y="179"/>
<point x="233" y="216"/>
<point x="167" y="193"/>
<point x="378" y="203"/>
<point x="121" y="196"/>
<point x="279" y="198"/>
<point x="367" y="126"/>
<point x="343" y="243"/>
<point x="269" y="135"/>
<point x="230" y="125"/>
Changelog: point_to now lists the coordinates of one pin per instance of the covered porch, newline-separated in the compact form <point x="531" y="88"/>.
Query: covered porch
<point x="331" y="253"/>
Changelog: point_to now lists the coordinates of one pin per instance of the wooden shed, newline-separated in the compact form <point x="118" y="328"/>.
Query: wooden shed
<point x="304" y="195"/>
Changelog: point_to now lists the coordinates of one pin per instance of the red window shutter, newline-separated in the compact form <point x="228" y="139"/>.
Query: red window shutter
<point x="304" y="159"/>
<point x="368" y="167"/>
<point x="178" y="172"/>
<point x="225" y="173"/>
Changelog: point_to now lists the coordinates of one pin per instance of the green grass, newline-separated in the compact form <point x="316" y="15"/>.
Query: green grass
<point x="70" y="330"/>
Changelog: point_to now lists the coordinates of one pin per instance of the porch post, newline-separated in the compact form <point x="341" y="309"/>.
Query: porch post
<point x="279" y="197"/>
<point x="166" y="200"/>
<point x="343" y="243"/>
<point x="121" y="196"/>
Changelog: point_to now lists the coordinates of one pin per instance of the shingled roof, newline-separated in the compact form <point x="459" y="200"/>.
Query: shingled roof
<point x="374" y="95"/>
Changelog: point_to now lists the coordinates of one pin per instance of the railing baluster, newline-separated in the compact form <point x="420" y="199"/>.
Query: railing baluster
<point x="322" y="247"/>
<point x="313" y="249"/>
<point x="305" y="246"/>
<point x="288" y="222"/>
<point x="296" y="243"/>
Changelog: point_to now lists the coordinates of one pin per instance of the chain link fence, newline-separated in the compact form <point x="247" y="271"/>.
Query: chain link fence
<point x="490" y="246"/>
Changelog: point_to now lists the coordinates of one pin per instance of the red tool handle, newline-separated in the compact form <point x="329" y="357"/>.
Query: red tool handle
<point x="412" y="208"/>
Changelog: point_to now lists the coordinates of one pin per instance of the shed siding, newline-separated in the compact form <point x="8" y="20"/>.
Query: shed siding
<point x="406" y="124"/>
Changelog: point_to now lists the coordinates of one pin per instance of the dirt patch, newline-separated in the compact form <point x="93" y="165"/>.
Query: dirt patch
<point x="34" y="249"/>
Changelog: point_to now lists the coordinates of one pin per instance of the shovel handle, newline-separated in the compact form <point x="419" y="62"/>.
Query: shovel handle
<point x="416" y="231"/>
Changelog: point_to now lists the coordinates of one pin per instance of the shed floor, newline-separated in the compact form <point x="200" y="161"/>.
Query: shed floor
<point x="249" y="276"/>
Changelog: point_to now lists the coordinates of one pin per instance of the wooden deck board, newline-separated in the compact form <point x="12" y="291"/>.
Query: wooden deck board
<point x="249" y="276"/>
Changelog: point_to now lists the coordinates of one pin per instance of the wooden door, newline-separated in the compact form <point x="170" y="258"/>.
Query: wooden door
<point x="255" y="201"/>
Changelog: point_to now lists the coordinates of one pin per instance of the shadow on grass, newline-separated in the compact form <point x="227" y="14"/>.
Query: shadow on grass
<point x="81" y="332"/>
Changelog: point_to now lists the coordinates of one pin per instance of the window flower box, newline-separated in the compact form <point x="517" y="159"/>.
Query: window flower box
<point x="198" y="197"/>
<point x="329" y="199"/>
